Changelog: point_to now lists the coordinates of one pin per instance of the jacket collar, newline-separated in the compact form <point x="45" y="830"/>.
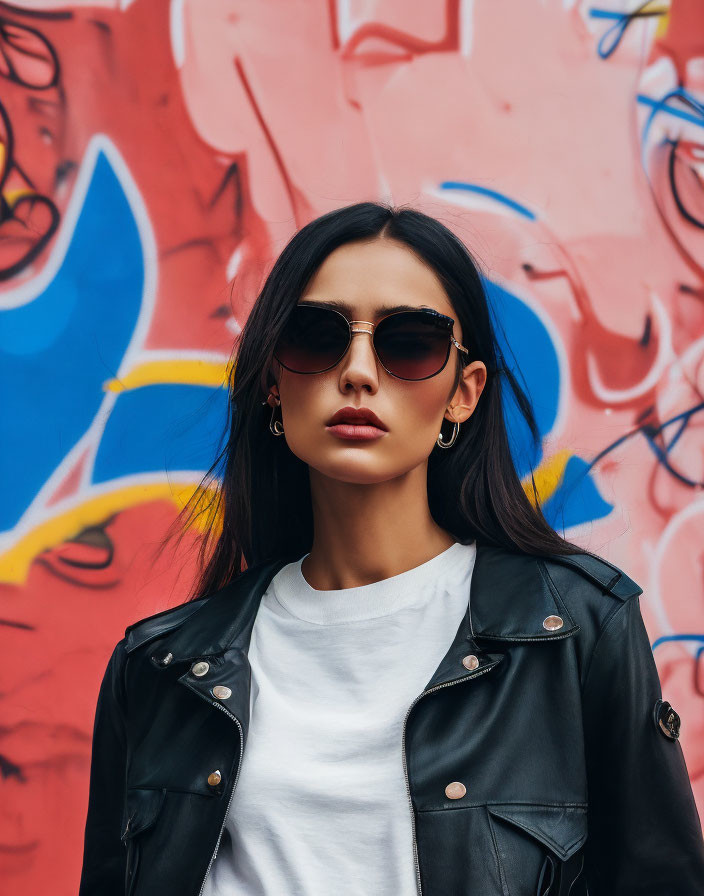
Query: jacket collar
<point x="510" y="597"/>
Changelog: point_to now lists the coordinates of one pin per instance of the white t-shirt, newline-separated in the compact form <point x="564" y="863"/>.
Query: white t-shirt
<point x="321" y="805"/>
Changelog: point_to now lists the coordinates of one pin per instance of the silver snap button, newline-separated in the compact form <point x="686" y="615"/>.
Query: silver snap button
<point x="221" y="692"/>
<point x="552" y="623"/>
<point x="470" y="662"/>
<point x="455" y="791"/>
<point x="214" y="778"/>
<point x="164" y="660"/>
<point x="199" y="669"/>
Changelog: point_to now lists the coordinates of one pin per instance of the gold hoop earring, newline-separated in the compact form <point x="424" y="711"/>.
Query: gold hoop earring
<point x="276" y="426"/>
<point x="455" y="432"/>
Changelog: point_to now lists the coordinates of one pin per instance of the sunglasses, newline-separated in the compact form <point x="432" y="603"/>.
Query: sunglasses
<point x="410" y="345"/>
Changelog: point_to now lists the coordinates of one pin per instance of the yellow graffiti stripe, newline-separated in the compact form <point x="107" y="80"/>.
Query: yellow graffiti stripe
<point x="12" y="196"/>
<point x="184" y="371"/>
<point x="15" y="563"/>
<point x="17" y="560"/>
<point x="547" y="477"/>
<point x="662" y="10"/>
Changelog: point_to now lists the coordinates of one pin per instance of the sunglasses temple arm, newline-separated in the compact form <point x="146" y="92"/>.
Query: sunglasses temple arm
<point x="460" y="347"/>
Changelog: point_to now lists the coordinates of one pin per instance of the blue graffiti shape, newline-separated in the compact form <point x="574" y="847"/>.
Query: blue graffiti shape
<point x="57" y="350"/>
<point x="493" y="195"/>
<point x="523" y="335"/>
<point x="621" y="20"/>
<point x="162" y="428"/>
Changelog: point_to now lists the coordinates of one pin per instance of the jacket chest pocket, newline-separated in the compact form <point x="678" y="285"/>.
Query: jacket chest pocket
<point x="142" y="807"/>
<point x="538" y="848"/>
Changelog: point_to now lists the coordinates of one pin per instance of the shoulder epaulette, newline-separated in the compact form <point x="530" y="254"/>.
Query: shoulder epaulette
<point x="602" y="573"/>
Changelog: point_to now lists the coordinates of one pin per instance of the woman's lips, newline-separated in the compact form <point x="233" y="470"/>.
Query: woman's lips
<point x="356" y="431"/>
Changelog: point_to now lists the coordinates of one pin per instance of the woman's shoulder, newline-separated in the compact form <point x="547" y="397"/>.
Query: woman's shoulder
<point x="520" y="596"/>
<point x="592" y="588"/>
<point x="602" y="573"/>
<point x="148" y="628"/>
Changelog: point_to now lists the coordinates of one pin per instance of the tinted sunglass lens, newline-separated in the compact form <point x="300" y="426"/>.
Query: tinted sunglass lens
<point x="313" y="340"/>
<point x="411" y="346"/>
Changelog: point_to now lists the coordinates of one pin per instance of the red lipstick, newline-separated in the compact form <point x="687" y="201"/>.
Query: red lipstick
<point x="359" y="424"/>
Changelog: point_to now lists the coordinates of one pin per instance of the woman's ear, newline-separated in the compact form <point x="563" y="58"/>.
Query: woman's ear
<point x="468" y="391"/>
<point x="269" y="383"/>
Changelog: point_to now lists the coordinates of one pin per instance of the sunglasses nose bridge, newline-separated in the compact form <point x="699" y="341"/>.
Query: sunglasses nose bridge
<point x="365" y="327"/>
<point x="361" y="326"/>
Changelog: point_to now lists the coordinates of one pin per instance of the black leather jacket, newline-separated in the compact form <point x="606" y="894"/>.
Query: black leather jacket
<point x="547" y="708"/>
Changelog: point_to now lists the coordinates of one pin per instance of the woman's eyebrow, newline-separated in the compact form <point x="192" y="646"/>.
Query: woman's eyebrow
<point x="338" y="305"/>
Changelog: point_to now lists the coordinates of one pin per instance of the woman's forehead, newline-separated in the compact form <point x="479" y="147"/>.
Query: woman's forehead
<point x="371" y="277"/>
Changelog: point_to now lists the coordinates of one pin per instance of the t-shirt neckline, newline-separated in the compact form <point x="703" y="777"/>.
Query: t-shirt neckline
<point x="377" y="599"/>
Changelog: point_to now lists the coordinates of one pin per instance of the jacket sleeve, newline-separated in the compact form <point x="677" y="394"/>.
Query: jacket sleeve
<point x="645" y="835"/>
<point x="104" y="854"/>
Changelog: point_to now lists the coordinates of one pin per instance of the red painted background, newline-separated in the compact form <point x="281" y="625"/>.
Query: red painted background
<point x="154" y="158"/>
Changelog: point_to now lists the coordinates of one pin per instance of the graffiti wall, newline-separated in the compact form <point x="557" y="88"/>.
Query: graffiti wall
<point x="155" y="156"/>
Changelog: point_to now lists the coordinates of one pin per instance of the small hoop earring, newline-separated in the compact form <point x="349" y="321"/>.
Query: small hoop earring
<point x="276" y="426"/>
<point x="455" y="432"/>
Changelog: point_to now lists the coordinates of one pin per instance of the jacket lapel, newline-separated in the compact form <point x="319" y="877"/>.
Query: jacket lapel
<point x="219" y="633"/>
<point x="510" y="599"/>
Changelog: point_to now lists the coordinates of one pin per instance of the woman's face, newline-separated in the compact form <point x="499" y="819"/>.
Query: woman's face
<point x="368" y="275"/>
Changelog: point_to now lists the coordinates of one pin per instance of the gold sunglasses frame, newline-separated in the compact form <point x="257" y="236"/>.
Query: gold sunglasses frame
<point x="373" y="326"/>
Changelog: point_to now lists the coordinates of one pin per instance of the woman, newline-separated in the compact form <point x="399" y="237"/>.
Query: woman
<point x="394" y="676"/>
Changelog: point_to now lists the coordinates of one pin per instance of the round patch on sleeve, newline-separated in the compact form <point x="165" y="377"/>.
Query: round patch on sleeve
<point x="666" y="720"/>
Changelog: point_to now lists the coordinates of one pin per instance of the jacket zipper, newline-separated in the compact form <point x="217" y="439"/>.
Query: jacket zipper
<point x="237" y="774"/>
<point x="405" y="769"/>
<point x="405" y="772"/>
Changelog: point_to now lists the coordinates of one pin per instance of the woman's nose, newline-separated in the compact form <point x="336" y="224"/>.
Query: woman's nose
<point x="355" y="357"/>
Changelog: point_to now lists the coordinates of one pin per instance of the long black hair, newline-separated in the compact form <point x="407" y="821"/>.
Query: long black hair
<point x="255" y="498"/>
